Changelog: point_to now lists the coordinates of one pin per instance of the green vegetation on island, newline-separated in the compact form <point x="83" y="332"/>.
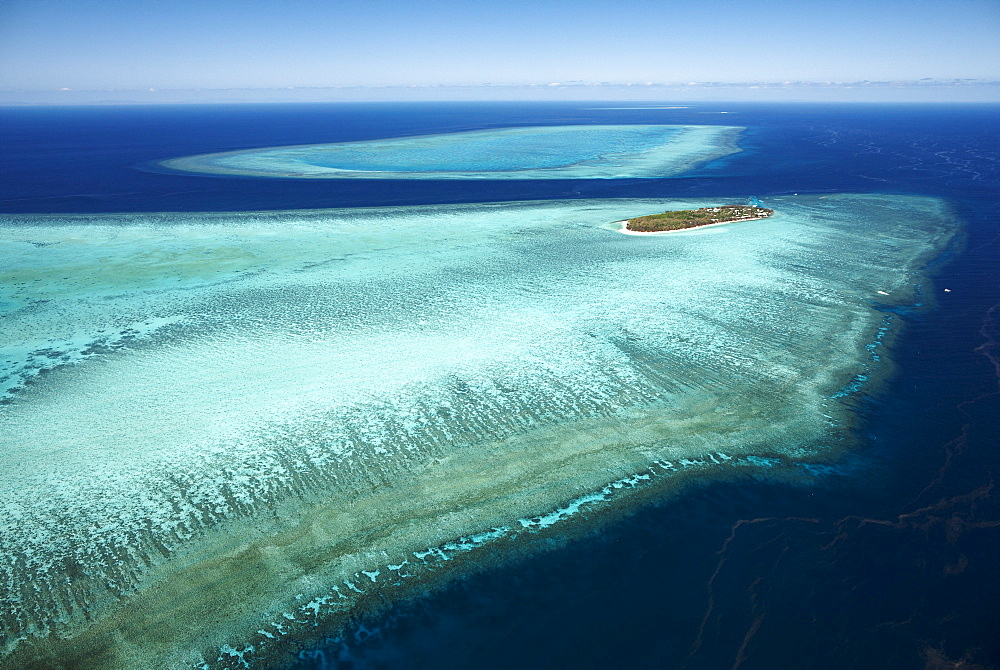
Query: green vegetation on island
<point x="692" y="218"/>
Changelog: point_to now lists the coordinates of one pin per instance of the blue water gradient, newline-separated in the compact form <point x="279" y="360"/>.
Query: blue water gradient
<point x="886" y="560"/>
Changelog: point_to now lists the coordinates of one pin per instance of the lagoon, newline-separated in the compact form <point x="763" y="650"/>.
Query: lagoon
<point x="544" y="152"/>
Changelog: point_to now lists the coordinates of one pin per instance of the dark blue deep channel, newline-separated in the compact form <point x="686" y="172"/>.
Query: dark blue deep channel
<point x="889" y="560"/>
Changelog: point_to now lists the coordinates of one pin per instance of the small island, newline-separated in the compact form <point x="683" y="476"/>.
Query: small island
<point x="694" y="218"/>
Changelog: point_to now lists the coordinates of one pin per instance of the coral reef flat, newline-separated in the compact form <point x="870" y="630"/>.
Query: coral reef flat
<point x="538" y="152"/>
<point x="219" y="427"/>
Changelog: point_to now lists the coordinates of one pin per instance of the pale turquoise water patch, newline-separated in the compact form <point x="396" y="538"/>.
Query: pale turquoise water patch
<point x="247" y="414"/>
<point x="539" y="152"/>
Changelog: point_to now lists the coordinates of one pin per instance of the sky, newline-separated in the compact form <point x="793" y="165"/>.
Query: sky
<point x="48" y="45"/>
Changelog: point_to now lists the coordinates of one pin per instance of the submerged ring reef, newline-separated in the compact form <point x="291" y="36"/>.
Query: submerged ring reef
<point x="535" y="152"/>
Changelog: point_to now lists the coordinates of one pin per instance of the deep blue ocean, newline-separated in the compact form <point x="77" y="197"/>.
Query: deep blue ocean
<point x="889" y="560"/>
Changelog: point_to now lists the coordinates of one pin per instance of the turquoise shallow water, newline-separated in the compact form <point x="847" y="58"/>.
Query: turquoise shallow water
<point x="222" y="415"/>
<point x="549" y="152"/>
